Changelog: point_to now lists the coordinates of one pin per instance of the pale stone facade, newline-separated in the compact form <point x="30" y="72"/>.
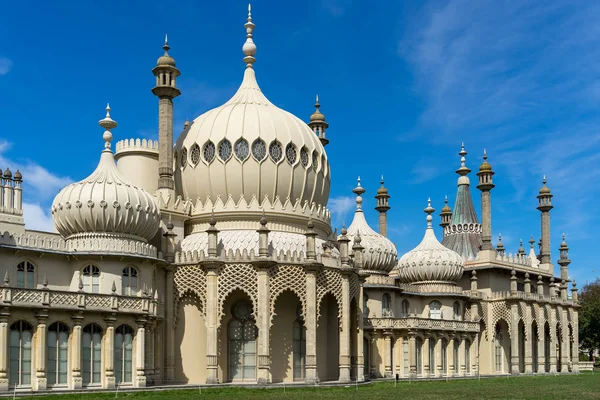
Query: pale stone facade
<point x="215" y="261"/>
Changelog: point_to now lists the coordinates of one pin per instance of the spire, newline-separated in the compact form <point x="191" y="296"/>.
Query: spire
<point x="382" y="207"/>
<point x="429" y="210"/>
<point x="500" y="246"/>
<point x="544" y="206"/>
<point x="107" y="123"/>
<point x="359" y="191"/>
<point x="166" y="46"/>
<point x="446" y="214"/>
<point x="463" y="171"/>
<point x="564" y="260"/>
<point x="318" y="124"/>
<point x="249" y="48"/>
<point x="521" y="249"/>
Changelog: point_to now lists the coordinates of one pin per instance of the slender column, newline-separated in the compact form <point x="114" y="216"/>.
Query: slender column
<point x="426" y="357"/>
<point x="40" y="359"/>
<point x="541" y="350"/>
<point x="374" y="372"/>
<point x="528" y="341"/>
<point x="438" y="356"/>
<point x="575" y="353"/>
<point x="514" y="340"/>
<point x="345" y="331"/>
<point x="387" y="338"/>
<point x="109" y="352"/>
<point x="165" y="129"/>
<point x="150" y="352"/>
<point x="310" y="321"/>
<point x="565" y="344"/>
<point x="76" y="380"/>
<point x="462" y="356"/>
<point x="485" y="175"/>
<point x="140" y="353"/>
<point x="263" y="321"/>
<point x="475" y="355"/>
<point x="450" y="356"/>
<point x="4" y="349"/>
<point x="169" y="327"/>
<point x="412" y="353"/>
<point x="158" y="353"/>
<point x="212" y="313"/>
<point x="553" y="343"/>
<point x="360" y="373"/>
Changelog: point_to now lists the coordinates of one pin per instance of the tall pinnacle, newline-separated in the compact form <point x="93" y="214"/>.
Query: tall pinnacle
<point x="249" y="48"/>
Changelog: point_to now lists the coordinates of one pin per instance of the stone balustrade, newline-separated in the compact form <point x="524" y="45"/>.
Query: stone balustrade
<point x="421" y="323"/>
<point x="64" y="300"/>
<point x="518" y="295"/>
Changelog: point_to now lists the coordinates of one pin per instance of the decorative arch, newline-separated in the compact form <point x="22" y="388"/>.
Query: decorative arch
<point x="329" y="281"/>
<point x="237" y="277"/>
<point x="26" y="274"/>
<point x="188" y="297"/>
<point x="189" y="279"/>
<point x="287" y="278"/>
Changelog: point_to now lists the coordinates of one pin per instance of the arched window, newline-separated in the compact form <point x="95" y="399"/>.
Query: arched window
<point x="405" y="308"/>
<point x="26" y="275"/>
<point x="405" y="358"/>
<point x="365" y="306"/>
<point x="21" y="334"/>
<point x="435" y="310"/>
<point x="468" y="356"/>
<point x="58" y="354"/>
<point x="91" y="279"/>
<point x="499" y="353"/>
<point x="299" y="346"/>
<point x="457" y="313"/>
<point x="91" y="355"/>
<point x="385" y="305"/>
<point x="123" y="354"/>
<point x="242" y="334"/>
<point x="129" y="281"/>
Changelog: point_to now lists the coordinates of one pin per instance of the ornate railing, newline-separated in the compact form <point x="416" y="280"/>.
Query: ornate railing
<point x="421" y="323"/>
<point x="519" y="295"/>
<point x="63" y="300"/>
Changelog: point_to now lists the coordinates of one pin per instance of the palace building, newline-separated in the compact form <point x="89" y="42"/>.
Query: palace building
<point x="214" y="261"/>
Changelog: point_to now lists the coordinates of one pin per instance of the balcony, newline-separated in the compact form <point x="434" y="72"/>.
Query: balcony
<point x="422" y="324"/>
<point x="518" y="295"/>
<point x="79" y="301"/>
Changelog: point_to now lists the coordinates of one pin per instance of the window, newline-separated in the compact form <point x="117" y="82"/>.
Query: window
<point x="225" y="150"/>
<point x="91" y="355"/>
<point x="129" y="281"/>
<point x="91" y="279"/>
<point x="195" y="154"/>
<point x="242" y="334"/>
<point x="435" y="310"/>
<point x="365" y="305"/>
<point x="315" y="161"/>
<point x="444" y="356"/>
<point x="123" y="354"/>
<point x="259" y="150"/>
<point x="183" y="157"/>
<point x="299" y="346"/>
<point x="209" y="151"/>
<point x="275" y="151"/>
<point x="304" y="157"/>
<point x="290" y="153"/>
<point x="385" y="305"/>
<point x="25" y="275"/>
<point x="457" y="313"/>
<point x="405" y="308"/>
<point x="241" y="149"/>
<point x="58" y="354"/>
<point x="21" y="334"/>
<point x="405" y="359"/>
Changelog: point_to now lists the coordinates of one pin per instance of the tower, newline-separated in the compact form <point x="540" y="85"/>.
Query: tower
<point x="318" y="124"/>
<point x="485" y="185"/>
<point x="383" y="207"/>
<point x="564" y="261"/>
<point x="446" y="214"/>
<point x="545" y="205"/>
<point x="166" y="77"/>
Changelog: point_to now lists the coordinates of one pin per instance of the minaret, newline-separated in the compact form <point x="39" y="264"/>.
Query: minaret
<point x="545" y="205"/>
<point x="485" y="185"/>
<point x="382" y="207"/>
<point x="166" y="76"/>
<point x="318" y="124"/>
<point x="564" y="261"/>
<point x="446" y="214"/>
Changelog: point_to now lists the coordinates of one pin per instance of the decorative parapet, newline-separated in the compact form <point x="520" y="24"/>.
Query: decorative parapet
<point x="103" y="243"/>
<point x="462" y="228"/>
<point x="45" y="298"/>
<point x="518" y="259"/>
<point x="380" y="280"/>
<point x="421" y="323"/>
<point x="35" y="240"/>
<point x="136" y="145"/>
<point x="507" y="295"/>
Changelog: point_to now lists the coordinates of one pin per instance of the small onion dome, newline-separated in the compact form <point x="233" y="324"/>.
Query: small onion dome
<point x="430" y="261"/>
<point x="379" y="253"/>
<point x="485" y="166"/>
<point x="105" y="203"/>
<point x="317" y="116"/>
<point x="166" y="59"/>
<point x="7" y="173"/>
<point x="382" y="189"/>
<point x="446" y="209"/>
<point x="18" y="176"/>
<point x="545" y="189"/>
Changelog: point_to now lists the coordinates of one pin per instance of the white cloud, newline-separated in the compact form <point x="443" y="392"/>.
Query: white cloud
<point x="37" y="219"/>
<point x="5" y="65"/>
<point x="340" y="207"/>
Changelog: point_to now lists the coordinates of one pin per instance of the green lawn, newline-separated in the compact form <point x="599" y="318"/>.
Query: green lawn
<point x="574" y="387"/>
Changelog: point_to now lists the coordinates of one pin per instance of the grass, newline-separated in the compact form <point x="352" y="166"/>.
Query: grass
<point x="575" y="387"/>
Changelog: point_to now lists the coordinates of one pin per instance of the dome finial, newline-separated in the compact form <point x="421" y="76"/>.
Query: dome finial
<point x="463" y="171"/>
<point x="249" y="48"/>
<point x="429" y="210"/>
<point x="107" y="123"/>
<point x="359" y="191"/>
<point x="166" y="46"/>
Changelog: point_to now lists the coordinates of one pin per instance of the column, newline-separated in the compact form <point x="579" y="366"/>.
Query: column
<point x="76" y="380"/>
<point x="212" y="315"/>
<point x="541" y="349"/>
<point x="360" y="373"/>
<point x="374" y="367"/>
<point x="263" y="322"/>
<point x="310" y="321"/>
<point x="514" y="341"/>
<point x="426" y="357"/>
<point x="450" y="356"/>
<point x="109" y="352"/>
<point x="40" y="353"/>
<point x="475" y="355"/>
<point x="140" y="356"/>
<point x="553" y="343"/>
<point x="462" y="355"/>
<point x="387" y="339"/>
<point x="528" y="341"/>
<point x="169" y="327"/>
<point x="4" y="347"/>
<point x="438" y="356"/>
<point x="575" y="353"/>
<point x="150" y="352"/>
<point x="345" y="331"/>
<point x="158" y="353"/>
<point x="565" y="348"/>
<point x="412" y="353"/>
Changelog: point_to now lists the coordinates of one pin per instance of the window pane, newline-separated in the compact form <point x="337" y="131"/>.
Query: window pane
<point x="20" y="278"/>
<point x="30" y="279"/>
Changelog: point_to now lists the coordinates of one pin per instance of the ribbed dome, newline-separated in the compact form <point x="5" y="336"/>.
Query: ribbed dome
<point x="430" y="261"/>
<point x="249" y="147"/>
<point x="379" y="253"/>
<point x="105" y="202"/>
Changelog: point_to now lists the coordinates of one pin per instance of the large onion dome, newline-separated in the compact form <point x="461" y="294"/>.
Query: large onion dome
<point x="250" y="149"/>
<point x="379" y="254"/>
<point x="105" y="205"/>
<point x="430" y="262"/>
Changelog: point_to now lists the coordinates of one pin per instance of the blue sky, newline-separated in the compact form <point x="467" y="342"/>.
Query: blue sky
<point x="401" y="84"/>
